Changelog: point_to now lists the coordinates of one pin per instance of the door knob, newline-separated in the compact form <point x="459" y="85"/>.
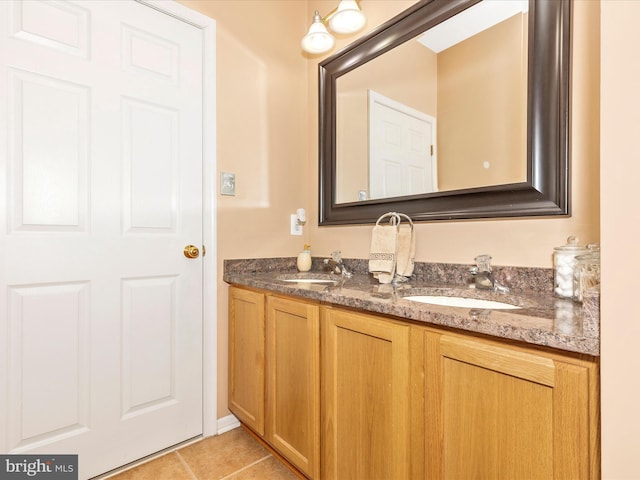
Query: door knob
<point x="191" y="251"/>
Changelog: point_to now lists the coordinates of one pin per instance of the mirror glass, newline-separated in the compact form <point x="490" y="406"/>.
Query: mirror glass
<point x="446" y="110"/>
<point x="450" y="110"/>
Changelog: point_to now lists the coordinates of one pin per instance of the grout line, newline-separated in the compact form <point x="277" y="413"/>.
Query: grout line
<point x="149" y="458"/>
<point x="246" y="467"/>
<point x="186" y="465"/>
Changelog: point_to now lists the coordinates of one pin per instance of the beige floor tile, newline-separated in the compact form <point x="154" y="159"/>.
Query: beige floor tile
<point x="270" y="469"/>
<point x="217" y="457"/>
<point x="167" y="467"/>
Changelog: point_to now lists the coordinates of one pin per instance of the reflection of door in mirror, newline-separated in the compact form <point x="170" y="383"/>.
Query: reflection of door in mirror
<point x="477" y="91"/>
<point x="401" y="149"/>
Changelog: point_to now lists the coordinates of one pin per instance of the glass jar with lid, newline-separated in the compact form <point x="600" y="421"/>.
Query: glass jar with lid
<point x="587" y="272"/>
<point x="564" y="262"/>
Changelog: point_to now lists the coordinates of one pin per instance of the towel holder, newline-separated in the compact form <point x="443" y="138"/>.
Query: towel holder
<point x="395" y="218"/>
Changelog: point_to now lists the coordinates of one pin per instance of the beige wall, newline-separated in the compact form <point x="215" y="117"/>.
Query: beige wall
<point x="267" y="134"/>
<point x="262" y="95"/>
<point x="620" y="223"/>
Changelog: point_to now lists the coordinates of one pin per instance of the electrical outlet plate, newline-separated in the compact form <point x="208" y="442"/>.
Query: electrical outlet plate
<point x="296" y="229"/>
<point x="227" y="183"/>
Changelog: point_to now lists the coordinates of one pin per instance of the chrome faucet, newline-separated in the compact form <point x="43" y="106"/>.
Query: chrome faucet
<point x="484" y="279"/>
<point x="335" y="264"/>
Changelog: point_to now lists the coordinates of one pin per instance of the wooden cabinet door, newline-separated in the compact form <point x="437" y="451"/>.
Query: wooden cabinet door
<point x="501" y="412"/>
<point x="293" y="382"/>
<point x="247" y="357"/>
<point x="365" y="397"/>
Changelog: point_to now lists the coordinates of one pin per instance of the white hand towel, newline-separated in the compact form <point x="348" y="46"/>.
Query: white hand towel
<point x="406" y="250"/>
<point x="382" y="254"/>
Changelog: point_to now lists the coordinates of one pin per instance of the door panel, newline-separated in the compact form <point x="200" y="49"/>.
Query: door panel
<point x="148" y="358"/>
<point x="48" y="142"/>
<point x="60" y="26"/>
<point x="149" y="55"/>
<point x="51" y="398"/>
<point x="151" y="174"/>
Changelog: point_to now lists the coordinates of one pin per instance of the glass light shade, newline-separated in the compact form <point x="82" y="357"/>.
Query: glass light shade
<point x="317" y="39"/>
<point x="348" y="18"/>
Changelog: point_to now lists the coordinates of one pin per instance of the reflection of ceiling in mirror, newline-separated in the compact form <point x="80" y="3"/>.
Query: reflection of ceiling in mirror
<point x="468" y="23"/>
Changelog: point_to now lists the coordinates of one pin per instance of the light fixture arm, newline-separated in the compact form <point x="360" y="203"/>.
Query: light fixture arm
<point x="326" y="18"/>
<point x="318" y="18"/>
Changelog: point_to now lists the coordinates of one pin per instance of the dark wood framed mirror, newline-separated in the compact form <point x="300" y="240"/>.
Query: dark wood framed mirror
<point x="546" y="189"/>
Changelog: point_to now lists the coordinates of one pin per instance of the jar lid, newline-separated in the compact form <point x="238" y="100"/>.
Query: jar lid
<point x="572" y="245"/>
<point x="593" y="256"/>
<point x="589" y="258"/>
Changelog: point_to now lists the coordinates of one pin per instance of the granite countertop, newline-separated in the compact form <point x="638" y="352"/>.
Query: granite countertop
<point x="542" y="319"/>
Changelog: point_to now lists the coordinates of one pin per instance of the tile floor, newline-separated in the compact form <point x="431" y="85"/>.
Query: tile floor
<point x="234" y="455"/>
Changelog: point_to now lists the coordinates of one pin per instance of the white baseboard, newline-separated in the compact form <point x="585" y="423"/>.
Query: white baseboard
<point x="227" y="423"/>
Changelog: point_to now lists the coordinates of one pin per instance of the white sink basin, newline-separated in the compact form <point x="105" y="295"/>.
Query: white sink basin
<point x="461" y="302"/>
<point x="310" y="280"/>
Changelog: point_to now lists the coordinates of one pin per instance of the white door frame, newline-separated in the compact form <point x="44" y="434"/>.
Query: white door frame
<point x="210" y="272"/>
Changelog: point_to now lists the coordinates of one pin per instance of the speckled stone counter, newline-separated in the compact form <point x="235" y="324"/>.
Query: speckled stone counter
<point x="542" y="319"/>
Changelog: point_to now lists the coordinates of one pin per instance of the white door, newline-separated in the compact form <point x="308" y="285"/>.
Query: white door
<point x="402" y="158"/>
<point x="101" y="157"/>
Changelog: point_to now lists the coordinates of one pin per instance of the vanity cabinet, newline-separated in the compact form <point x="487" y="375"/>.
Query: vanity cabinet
<point x="496" y="411"/>
<point x="274" y="384"/>
<point x="365" y="396"/>
<point x="343" y="394"/>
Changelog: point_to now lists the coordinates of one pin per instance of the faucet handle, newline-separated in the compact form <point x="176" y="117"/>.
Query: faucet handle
<point x="483" y="262"/>
<point x="336" y="256"/>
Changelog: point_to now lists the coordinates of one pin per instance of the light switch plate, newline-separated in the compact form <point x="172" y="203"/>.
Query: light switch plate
<point x="227" y="183"/>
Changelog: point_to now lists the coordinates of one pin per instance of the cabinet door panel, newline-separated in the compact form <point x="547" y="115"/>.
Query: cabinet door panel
<point x="496" y="425"/>
<point x="247" y="357"/>
<point x="293" y="383"/>
<point x="501" y="412"/>
<point x="572" y="423"/>
<point x="366" y="397"/>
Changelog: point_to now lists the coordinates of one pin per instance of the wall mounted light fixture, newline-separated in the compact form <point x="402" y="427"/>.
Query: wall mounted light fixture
<point x="346" y="18"/>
